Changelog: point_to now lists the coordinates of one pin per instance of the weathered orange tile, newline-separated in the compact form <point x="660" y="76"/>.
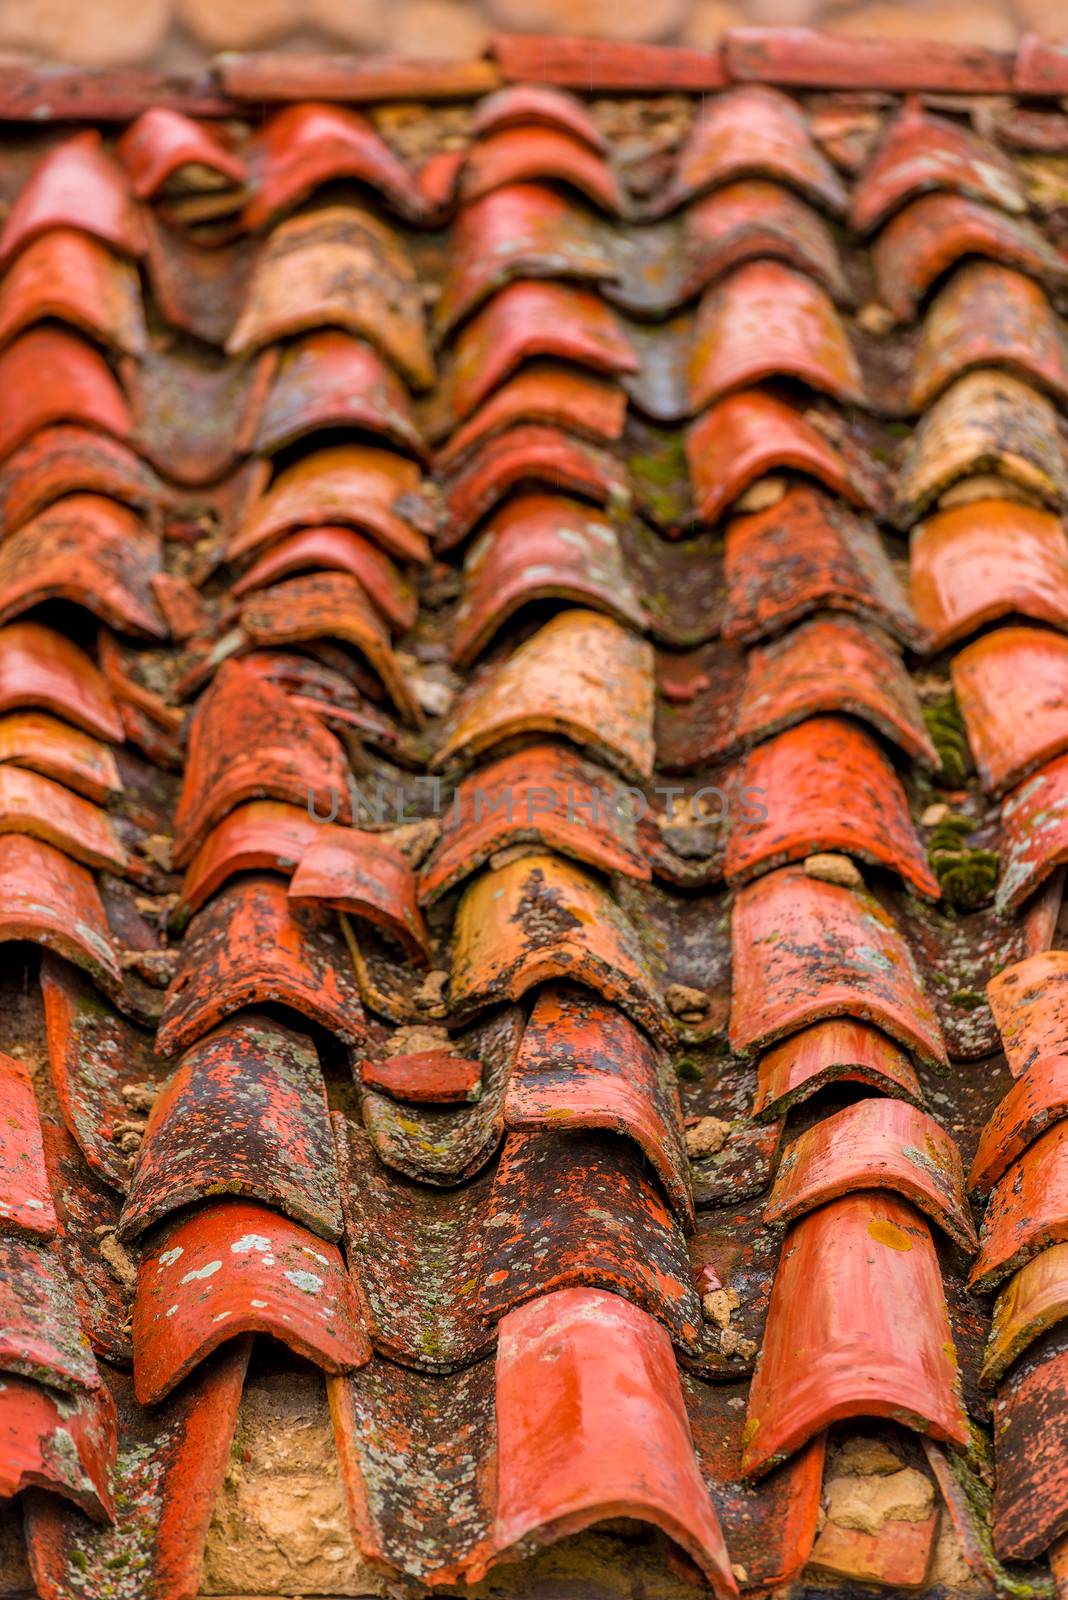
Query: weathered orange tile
<point x="973" y="564"/>
<point x="41" y="668"/>
<point x="160" y="147"/>
<point x="329" y="380"/>
<point x="826" y="785"/>
<point x="527" y="454"/>
<point x="304" y="146"/>
<point x="261" y="836"/>
<point x="897" y="1557"/>
<point x="1037" y="1098"/>
<point x="748" y="221"/>
<point x="425" y="1077"/>
<point x="337" y="550"/>
<point x="754" y="131"/>
<point x="337" y="267"/>
<point x="328" y="605"/>
<point x="1034" y="834"/>
<point x="539" y="919"/>
<point x="25" y="1198"/>
<point x="543" y="794"/>
<point x="767" y="321"/>
<point x="591" y="1424"/>
<point x="832" y="664"/>
<point x="989" y="316"/>
<point x="348" y="484"/>
<point x="826" y="1053"/>
<point x="1029" y="1000"/>
<point x="249" y="947"/>
<point x="582" y="676"/>
<point x="64" y="1444"/>
<point x="533" y="319"/>
<point x="548" y="392"/>
<point x="237" y="1267"/>
<point x="48" y="375"/>
<point x="38" y="806"/>
<point x="517" y="155"/>
<point x="902" y="61"/>
<point x="1030" y="1507"/>
<point x="808" y="552"/>
<point x="1012" y="688"/>
<point x="1027" y="1210"/>
<point x="537" y="105"/>
<point x="72" y="277"/>
<point x="932" y="234"/>
<point x="68" y="459"/>
<point x="805" y="950"/>
<point x="857" y="1327"/>
<point x="540" y="547"/>
<point x="1034" y="1300"/>
<point x="40" y="743"/>
<point x="364" y="875"/>
<point x="48" y="899"/>
<point x="752" y="433"/>
<point x="920" y="152"/>
<point x="878" y="1143"/>
<point x="77" y="185"/>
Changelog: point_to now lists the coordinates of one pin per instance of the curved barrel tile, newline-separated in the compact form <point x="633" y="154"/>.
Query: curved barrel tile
<point x="364" y="875"/>
<point x="306" y="145"/>
<point x="76" y="185"/>
<point x="1012" y="687"/>
<point x="838" y="1050"/>
<point x="1034" y="835"/>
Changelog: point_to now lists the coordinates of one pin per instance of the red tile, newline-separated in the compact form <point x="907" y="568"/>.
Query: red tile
<point x="610" y="64"/>
<point x="261" y="836"/>
<point x="25" y="1198"/>
<point x="754" y="131"/>
<point x="591" y="1425"/>
<point x="582" y="676"/>
<point x="50" y="900"/>
<point x="92" y="552"/>
<point x="270" y="76"/>
<point x="1027" y="1210"/>
<point x="579" y="1210"/>
<point x="516" y="155"/>
<point x="171" y="1468"/>
<point x="235" y="1267"/>
<point x="1030" y="1507"/>
<point x="537" y="105"/>
<point x="425" y="1077"/>
<point x="41" y="668"/>
<point x="1030" y="1004"/>
<point x="248" y="947"/>
<point x="248" y="741"/>
<point x="31" y="804"/>
<point x="548" y="392"/>
<point x="529" y="453"/>
<point x="62" y="1443"/>
<point x="1040" y="66"/>
<point x="533" y="319"/>
<point x="36" y="742"/>
<point x="875" y="1144"/>
<point x="73" y="278"/>
<point x="366" y="876"/>
<point x="542" y="794"/>
<point x="933" y="233"/>
<point x="48" y="375"/>
<point x="40" y="1334"/>
<point x="304" y="146"/>
<point x="857" y="1327"/>
<point x="807" y="553"/>
<point x="827" y="1053"/>
<point x="1033" y="1301"/>
<point x="68" y="459"/>
<point x="832" y="664"/>
<point x="1035" y="1100"/>
<point x="307" y="275"/>
<point x="337" y="550"/>
<point x="826" y="785"/>
<point x="805" y="950"/>
<point x="897" y="1557"/>
<point x="823" y="60"/>
<point x="583" y="1065"/>
<point x="93" y="1055"/>
<point x="523" y="231"/>
<point x="333" y="606"/>
<point x="750" y="220"/>
<point x="989" y="316"/>
<point x="977" y="563"/>
<point x="920" y="152"/>
<point x="540" y="547"/>
<point x="331" y="380"/>
<point x="1034" y="834"/>
<point x="767" y="321"/>
<point x="182" y="607"/>
<point x="1012" y="688"/>
<point x="77" y="185"/>
<point x="161" y="143"/>
<point x="541" y="918"/>
<point x="350" y="484"/>
<point x="747" y="435"/>
<point x="244" y="1114"/>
